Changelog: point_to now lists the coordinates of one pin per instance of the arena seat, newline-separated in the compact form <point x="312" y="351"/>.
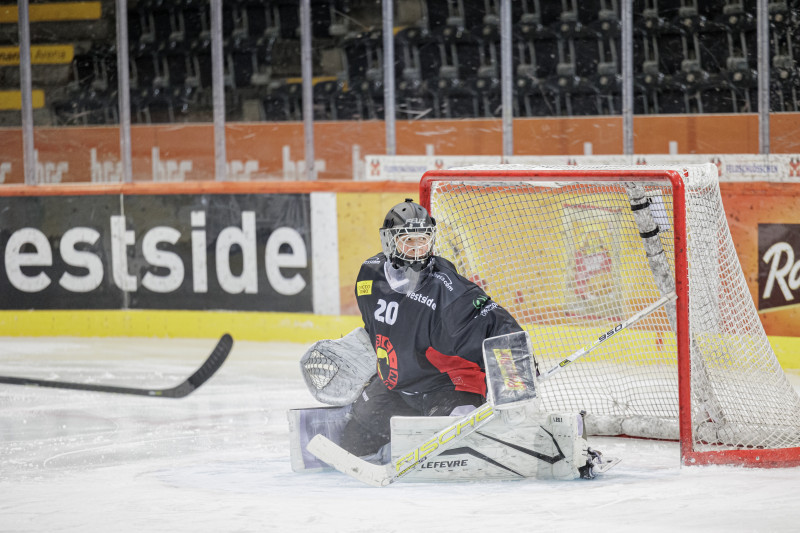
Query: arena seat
<point x="455" y="98"/>
<point x="415" y="99"/>
<point x="532" y="97"/>
<point x="283" y="101"/>
<point x="417" y="52"/>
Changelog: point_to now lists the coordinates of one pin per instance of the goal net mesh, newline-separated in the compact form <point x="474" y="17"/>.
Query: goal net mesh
<point x="567" y="258"/>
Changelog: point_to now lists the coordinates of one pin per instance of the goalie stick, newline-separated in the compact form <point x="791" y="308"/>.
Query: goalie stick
<point x="610" y="333"/>
<point x="201" y="375"/>
<point x="383" y="475"/>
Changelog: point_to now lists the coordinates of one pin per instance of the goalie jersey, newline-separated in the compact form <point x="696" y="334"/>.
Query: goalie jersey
<point x="430" y="337"/>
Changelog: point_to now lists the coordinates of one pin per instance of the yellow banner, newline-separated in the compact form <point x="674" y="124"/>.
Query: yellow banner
<point x="10" y="100"/>
<point x="42" y="54"/>
<point x="53" y="12"/>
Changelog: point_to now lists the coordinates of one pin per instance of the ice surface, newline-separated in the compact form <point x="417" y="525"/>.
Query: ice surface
<point x="218" y="460"/>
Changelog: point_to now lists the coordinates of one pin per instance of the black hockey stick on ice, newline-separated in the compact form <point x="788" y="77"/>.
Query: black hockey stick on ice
<point x="383" y="475"/>
<point x="209" y="367"/>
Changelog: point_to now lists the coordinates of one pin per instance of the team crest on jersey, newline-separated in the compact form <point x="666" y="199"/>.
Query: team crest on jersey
<point x="387" y="361"/>
<point x="364" y="288"/>
<point x="479" y="302"/>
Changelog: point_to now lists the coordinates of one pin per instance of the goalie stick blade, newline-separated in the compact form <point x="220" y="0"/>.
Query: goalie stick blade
<point x="201" y="375"/>
<point x="345" y="462"/>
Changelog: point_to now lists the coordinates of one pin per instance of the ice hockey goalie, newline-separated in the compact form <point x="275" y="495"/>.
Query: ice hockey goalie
<point x="516" y="440"/>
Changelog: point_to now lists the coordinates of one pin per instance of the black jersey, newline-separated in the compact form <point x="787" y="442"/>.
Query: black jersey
<point x="432" y="338"/>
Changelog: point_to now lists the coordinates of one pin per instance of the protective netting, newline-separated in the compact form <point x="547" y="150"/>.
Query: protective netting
<point x="570" y="259"/>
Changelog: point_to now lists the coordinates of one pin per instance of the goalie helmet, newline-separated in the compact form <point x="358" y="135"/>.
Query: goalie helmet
<point x="407" y="235"/>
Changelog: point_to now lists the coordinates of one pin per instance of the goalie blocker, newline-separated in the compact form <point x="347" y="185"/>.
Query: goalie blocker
<point x="506" y="438"/>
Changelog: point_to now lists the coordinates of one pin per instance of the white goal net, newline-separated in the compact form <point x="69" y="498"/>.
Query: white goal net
<point x="572" y="251"/>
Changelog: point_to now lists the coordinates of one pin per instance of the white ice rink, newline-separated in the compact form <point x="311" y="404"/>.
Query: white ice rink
<point x="218" y="460"/>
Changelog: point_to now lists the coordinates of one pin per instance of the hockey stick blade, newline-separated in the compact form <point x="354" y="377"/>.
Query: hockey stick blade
<point x="208" y="368"/>
<point x="382" y="475"/>
<point x="347" y="463"/>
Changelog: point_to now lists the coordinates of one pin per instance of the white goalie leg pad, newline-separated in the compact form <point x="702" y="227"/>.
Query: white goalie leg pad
<point x="561" y="434"/>
<point x="521" y="442"/>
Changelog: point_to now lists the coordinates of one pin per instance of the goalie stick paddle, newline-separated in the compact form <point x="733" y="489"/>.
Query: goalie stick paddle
<point x="208" y="368"/>
<point x="383" y="475"/>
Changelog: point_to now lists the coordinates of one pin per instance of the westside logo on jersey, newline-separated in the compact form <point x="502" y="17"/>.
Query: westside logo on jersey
<point x="364" y="288"/>
<point x="421" y="298"/>
<point x="387" y="361"/>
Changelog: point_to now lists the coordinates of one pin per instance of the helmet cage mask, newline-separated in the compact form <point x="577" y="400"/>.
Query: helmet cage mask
<point x="410" y="245"/>
<point x="408" y="235"/>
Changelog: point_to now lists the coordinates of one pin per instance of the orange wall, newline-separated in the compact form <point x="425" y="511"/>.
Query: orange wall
<point x="264" y="142"/>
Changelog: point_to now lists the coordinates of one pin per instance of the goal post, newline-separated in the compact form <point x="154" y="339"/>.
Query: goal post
<point x="572" y="251"/>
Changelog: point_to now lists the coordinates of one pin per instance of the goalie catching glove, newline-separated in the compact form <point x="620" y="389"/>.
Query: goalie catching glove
<point x="335" y="371"/>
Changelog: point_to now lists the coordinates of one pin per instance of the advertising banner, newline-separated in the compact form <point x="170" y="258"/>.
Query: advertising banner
<point x="245" y="252"/>
<point x="779" y="267"/>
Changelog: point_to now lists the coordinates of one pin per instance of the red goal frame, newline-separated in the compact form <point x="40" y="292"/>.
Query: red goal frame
<point x="762" y="457"/>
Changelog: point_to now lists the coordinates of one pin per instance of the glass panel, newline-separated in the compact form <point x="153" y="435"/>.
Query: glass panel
<point x="690" y="58"/>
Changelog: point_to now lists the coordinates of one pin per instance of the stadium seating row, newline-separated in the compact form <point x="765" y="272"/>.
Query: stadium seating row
<point x="689" y="57"/>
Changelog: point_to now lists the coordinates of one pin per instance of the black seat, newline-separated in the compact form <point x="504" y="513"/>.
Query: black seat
<point x="784" y="85"/>
<point x="647" y="85"/>
<point x="608" y="82"/>
<point x="436" y="12"/>
<point x="80" y="106"/>
<point x="363" y="54"/>
<point x="187" y="103"/>
<point x="743" y="82"/>
<point x="671" y="97"/>
<point x="154" y="21"/>
<point x="196" y="20"/>
<point x="414" y="99"/>
<point x="288" y="12"/>
<point x="283" y="101"/>
<point x="149" y="68"/>
<point x="533" y="97"/>
<point x="151" y="105"/>
<point x="347" y="105"/>
<point x="714" y="96"/>
<point x="455" y="98"/>
<point x="573" y="95"/>
<point x="369" y="91"/>
<point x="261" y="18"/>
<point x="324" y="98"/>
<point x="735" y="18"/>
<point x="249" y="60"/>
<point x="535" y="45"/>
<point x="459" y="52"/>
<point x="488" y="93"/>
<point x="416" y="54"/>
